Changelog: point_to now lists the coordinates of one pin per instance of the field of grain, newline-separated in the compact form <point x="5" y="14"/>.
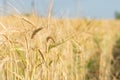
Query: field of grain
<point x="36" y="48"/>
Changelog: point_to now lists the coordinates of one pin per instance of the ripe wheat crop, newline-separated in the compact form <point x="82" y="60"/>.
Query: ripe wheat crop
<point x="36" y="48"/>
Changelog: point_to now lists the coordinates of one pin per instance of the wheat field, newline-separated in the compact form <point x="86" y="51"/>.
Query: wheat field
<point x="36" y="48"/>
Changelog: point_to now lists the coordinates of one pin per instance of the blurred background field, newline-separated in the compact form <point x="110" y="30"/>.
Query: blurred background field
<point x="35" y="47"/>
<point x="102" y="9"/>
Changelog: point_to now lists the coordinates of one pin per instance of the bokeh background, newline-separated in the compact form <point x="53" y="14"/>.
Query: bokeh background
<point x="101" y="9"/>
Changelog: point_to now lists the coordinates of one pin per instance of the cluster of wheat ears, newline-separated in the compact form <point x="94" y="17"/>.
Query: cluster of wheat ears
<point x="36" y="48"/>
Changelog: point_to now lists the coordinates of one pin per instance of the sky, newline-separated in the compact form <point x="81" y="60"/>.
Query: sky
<point x="65" y="8"/>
